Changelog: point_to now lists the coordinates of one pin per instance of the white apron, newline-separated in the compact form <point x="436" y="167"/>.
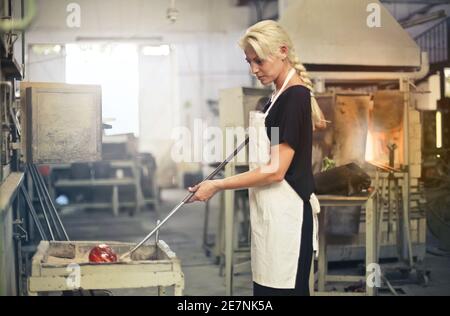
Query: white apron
<point x="276" y="214"/>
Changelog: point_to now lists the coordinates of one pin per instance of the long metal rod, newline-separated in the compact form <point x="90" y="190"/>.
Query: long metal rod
<point x="33" y="213"/>
<point x="186" y="199"/>
<point x="52" y="206"/>
<point x="35" y="174"/>
<point x="41" y="201"/>
<point x="391" y="288"/>
<point x="44" y="212"/>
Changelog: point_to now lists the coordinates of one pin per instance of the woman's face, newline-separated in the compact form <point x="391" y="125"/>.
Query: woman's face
<point x="267" y="70"/>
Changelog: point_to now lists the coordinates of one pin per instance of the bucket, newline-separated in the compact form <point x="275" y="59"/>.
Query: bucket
<point x="342" y="220"/>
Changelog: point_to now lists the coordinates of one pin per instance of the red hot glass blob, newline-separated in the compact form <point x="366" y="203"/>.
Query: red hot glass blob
<point x="102" y="254"/>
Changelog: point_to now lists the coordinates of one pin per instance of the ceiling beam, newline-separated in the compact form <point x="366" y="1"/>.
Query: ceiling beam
<point x="240" y="3"/>
<point x="422" y="11"/>
<point x="424" y="19"/>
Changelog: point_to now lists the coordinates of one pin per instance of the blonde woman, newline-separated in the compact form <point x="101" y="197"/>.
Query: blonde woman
<point x="283" y="207"/>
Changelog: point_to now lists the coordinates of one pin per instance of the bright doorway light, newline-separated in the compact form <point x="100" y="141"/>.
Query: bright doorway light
<point x="161" y="50"/>
<point x="115" y="68"/>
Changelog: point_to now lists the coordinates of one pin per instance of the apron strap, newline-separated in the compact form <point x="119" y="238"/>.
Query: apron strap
<point x="275" y="97"/>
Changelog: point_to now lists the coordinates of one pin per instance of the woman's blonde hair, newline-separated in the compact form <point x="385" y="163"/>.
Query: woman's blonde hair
<point x="266" y="38"/>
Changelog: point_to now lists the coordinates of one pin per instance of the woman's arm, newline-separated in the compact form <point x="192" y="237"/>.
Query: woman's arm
<point x="280" y="160"/>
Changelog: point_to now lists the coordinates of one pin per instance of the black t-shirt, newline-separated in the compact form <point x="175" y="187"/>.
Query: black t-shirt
<point x="291" y="113"/>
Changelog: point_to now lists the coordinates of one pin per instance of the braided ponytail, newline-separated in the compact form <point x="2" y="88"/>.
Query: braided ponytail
<point x="316" y="113"/>
<point x="266" y="38"/>
<point x="301" y="70"/>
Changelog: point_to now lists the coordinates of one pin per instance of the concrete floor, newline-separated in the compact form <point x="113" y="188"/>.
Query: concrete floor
<point x="184" y="235"/>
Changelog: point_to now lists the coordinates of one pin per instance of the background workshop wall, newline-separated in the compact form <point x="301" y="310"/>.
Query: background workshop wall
<point x="173" y="90"/>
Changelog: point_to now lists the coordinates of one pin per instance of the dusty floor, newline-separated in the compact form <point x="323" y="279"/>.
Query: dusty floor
<point x="184" y="234"/>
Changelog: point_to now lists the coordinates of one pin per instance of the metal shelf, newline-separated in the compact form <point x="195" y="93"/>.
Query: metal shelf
<point x="94" y="183"/>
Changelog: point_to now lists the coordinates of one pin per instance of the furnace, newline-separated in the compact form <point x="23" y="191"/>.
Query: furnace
<point x="367" y="75"/>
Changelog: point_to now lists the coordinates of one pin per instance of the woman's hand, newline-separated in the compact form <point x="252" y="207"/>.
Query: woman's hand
<point x="204" y="191"/>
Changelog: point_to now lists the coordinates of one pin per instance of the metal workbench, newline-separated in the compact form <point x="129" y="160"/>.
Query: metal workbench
<point x="368" y="202"/>
<point x="114" y="183"/>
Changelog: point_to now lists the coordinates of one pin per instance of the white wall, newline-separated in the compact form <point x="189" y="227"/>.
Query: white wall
<point x="215" y="62"/>
<point x="45" y="68"/>
<point x="158" y="106"/>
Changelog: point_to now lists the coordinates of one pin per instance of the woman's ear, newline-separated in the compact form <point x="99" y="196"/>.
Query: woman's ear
<point x="284" y="52"/>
